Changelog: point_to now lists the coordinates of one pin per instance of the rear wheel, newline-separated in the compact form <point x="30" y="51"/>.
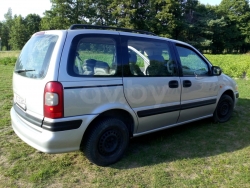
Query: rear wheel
<point x="224" y="109"/>
<point x="107" y="142"/>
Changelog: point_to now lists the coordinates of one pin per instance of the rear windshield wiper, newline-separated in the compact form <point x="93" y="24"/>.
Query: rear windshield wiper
<point x="24" y="70"/>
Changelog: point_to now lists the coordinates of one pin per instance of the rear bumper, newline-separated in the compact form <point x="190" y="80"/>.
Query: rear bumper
<point x="50" y="141"/>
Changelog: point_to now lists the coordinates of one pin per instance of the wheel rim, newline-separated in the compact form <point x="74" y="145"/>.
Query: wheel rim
<point x="109" y="142"/>
<point x="224" y="109"/>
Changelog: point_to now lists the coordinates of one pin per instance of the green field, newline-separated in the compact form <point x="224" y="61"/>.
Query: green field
<point x="200" y="154"/>
<point x="9" y="54"/>
<point x="8" y="57"/>
<point x="237" y="66"/>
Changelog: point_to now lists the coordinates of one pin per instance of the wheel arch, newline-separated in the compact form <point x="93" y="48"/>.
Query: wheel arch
<point x="224" y="107"/>
<point x="230" y="93"/>
<point x="124" y="115"/>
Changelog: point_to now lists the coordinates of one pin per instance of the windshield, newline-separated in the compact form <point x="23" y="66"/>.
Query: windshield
<point x="35" y="56"/>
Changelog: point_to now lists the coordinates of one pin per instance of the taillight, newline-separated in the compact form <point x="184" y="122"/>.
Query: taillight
<point x="53" y="100"/>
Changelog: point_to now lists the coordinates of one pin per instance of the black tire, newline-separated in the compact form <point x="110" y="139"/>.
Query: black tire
<point x="107" y="142"/>
<point x="224" y="109"/>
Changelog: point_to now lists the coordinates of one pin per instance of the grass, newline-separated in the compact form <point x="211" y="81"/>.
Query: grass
<point x="8" y="57"/>
<point x="236" y="65"/>
<point x="200" y="154"/>
<point x="105" y="57"/>
<point x="9" y="54"/>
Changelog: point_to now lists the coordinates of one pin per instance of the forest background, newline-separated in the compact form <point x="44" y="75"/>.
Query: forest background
<point x="223" y="28"/>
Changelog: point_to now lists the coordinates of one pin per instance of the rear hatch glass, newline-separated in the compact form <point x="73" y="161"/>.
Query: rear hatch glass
<point x="34" y="59"/>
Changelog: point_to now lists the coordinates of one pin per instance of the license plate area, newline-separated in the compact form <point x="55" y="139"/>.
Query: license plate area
<point x="20" y="101"/>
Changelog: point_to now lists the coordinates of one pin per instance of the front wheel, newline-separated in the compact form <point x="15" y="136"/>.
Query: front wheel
<point x="107" y="141"/>
<point x="224" y="109"/>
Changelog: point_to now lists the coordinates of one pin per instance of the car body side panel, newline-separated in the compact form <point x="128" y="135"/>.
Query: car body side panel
<point x="200" y="98"/>
<point x="146" y="96"/>
<point x="227" y="84"/>
<point x="94" y="97"/>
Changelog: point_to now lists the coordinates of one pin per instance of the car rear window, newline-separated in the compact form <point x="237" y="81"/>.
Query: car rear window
<point x="34" y="58"/>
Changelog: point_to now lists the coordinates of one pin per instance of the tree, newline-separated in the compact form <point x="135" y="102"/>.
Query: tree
<point x="1" y="28"/>
<point x="196" y="30"/>
<point x="237" y="13"/>
<point x="63" y="13"/>
<point x="18" y="34"/>
<point x="129" y="14"/>
<point x="215" y="28"/>
<point x="5" y="31"/>
<point x="99" y="12"/>
<point x="218" y="27"/>
<point x="163" y="17"/>
<point x="32" y="24"/>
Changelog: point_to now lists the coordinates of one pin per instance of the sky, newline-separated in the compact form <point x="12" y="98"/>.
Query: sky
<point x="210" y="2"/>
<point x="25" y="7"/>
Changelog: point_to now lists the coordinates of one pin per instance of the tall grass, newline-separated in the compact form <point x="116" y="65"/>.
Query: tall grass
<point x="105" y="57"/>
<point x="8" y="57"/>
<point x="9" y="54"/>
<point x="237" y="66"/>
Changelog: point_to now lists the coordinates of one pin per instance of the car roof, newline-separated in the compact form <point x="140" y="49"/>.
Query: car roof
<point x="121" y="31"/>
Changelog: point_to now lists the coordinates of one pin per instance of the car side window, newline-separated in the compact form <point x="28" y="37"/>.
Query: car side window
<point x="192" y="64"/>
<point x="94" y="56"/>
<point x="150" y="58"/>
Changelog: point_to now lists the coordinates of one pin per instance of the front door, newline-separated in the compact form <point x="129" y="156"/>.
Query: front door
<point x="199" y="88"/>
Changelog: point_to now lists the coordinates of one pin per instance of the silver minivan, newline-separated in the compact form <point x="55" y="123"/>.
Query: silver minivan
<point x="93" y="88"/>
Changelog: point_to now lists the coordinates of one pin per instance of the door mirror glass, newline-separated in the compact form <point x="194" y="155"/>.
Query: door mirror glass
<point x="216" y="71"/>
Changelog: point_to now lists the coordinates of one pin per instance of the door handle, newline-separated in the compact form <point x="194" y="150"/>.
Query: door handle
<point x="173" y="84"/>
<point x="187" y="83"/>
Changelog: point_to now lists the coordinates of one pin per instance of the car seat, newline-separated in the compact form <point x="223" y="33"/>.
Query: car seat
<point x="134" y="68"/>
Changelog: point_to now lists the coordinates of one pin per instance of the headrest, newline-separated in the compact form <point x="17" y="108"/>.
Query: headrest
<point x="90" y="62"/>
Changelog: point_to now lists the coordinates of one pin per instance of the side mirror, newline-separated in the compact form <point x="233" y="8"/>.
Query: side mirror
<point x="216" y="71"/>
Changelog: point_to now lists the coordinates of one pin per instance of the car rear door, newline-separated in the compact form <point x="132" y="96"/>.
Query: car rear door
<point x="152" y="91"/>
<point x="36" y="65"/>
